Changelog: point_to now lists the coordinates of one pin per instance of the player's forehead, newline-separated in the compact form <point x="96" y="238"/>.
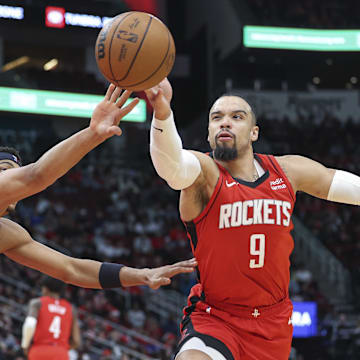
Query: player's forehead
<point x="228" y="104"/>
<point x="8" y="164"/>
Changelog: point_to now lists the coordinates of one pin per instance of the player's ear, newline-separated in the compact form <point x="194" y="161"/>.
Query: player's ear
<point x="254" y="134"/>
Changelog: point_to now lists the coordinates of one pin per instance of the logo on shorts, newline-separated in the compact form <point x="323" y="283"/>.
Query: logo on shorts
<point x="256" y="313"/>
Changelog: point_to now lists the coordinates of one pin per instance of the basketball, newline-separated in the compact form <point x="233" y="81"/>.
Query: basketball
<point x="135" y="51"/>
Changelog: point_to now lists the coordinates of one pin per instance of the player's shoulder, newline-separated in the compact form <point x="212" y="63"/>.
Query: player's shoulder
<point x="291" y="162"/>
<point x="35" y="302"/>
<point x="209" y="169"/>
<point x="205" y="159"/>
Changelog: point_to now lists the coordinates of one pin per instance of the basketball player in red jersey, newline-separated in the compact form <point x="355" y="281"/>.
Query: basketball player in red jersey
<point x="237" y="206"/>
<point x="18" y="182"/>
<point x="56" y="324"/>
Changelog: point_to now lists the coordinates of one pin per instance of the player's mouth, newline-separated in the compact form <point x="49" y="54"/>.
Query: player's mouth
<point x="224" y="136"/>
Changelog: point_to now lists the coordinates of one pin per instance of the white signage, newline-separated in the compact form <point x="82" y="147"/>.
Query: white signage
<point x="85" y="20"/>
<point x="11" y="12"/>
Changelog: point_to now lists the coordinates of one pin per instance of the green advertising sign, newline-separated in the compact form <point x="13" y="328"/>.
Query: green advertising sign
<point x="301" y="39"/>
<point x="58" y="103"/>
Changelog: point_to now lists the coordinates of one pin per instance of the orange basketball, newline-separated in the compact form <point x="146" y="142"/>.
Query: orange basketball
<point x="135" y="51"/>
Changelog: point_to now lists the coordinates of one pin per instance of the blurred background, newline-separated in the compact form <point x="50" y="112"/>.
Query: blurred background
<point x="304" y="87"/>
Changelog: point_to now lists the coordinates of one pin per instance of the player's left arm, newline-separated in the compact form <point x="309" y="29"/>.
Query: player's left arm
<point x="75" y="340"/>
<point x="325" y="183"/>
<point x="29" y="326"/>
<point x="17" y="244"/>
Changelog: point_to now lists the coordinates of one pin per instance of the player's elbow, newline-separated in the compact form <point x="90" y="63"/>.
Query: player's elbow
<point x="68" y="276"/>
<point x="37" y="179"/>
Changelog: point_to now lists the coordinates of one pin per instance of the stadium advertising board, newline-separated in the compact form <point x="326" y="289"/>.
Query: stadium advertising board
<point x="301" y="39"/>
<point x="58" y="103"/>
<point x="304" y="319"/>
<point x="58" y="17"/>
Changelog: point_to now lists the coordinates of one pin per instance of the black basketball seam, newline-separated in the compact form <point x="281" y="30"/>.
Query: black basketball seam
<point x="156" y="69"/>
<point x="137" y="51"/>
<point x="112" y="37"/>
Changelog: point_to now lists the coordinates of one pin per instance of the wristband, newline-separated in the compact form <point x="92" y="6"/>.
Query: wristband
<point x="109" y="275"/>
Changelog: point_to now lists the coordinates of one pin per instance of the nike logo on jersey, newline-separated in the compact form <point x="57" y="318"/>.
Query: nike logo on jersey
<point x="161" y="130"/>
<point x="277" y="184"/>
<point x="231" y="184"/>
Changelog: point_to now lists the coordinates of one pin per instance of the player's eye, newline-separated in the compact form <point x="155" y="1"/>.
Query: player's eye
<point x="238" y="117"/>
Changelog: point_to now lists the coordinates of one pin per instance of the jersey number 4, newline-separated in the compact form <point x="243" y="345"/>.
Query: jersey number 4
<point x="257" y="248"/>
<point x="55" y="327"/>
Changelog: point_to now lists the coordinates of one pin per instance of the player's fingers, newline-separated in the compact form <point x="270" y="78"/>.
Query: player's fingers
<point x="125" y="110"/>
<point x="187" y="263"/>
<point x="109" y="91"/>
<point x="174" y="270"/>
<point x="114" y="130"/>
<point x="151" y="93"/>
<point x="161" y="282"/>
<point x="115" y="95"/>
<point x="124" y="96"/>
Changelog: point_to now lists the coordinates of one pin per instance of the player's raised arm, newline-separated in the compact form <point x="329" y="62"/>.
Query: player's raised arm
<point x="20" y="182"/>
<point x="315" y="179"/>
<point x="17" y="244"/>
<point x="179" y="167"/>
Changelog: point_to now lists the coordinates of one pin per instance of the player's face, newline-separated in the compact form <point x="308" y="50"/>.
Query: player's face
<point x="5" y="165"/>
<point x="231" y="127"/>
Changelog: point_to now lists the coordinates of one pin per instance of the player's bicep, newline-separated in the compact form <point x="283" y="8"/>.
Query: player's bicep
<point x="42" y="258"/>
<point x="18" y="183"/>
<point x="307" y="175"/>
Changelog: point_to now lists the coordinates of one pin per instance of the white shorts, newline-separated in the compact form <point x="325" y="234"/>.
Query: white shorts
<point x="196" y="343"/>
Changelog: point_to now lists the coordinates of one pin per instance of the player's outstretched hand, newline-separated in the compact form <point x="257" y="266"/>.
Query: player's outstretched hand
<point x="106" y="116"/>
<point x="160" y="97"/>
<point x="162" y="275"/>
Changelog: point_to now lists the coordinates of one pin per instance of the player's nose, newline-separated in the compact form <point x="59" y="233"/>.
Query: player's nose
<point x="226" y="123"/>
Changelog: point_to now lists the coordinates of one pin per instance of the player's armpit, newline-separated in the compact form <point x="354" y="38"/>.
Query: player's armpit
<point x="194" y="199"/>
<point x="307" y="175"/>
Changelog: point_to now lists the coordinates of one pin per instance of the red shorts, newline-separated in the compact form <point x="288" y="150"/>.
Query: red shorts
<point x="46" y="352"/>
<point x="262" y="333"/>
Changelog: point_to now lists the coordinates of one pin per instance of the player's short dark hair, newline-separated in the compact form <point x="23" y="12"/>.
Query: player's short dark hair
<point x="54" y="285"/>
<point x="238" y="94"/>
<point x="12" y="151"/>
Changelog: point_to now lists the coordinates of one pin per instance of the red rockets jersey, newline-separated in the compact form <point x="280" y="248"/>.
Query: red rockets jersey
<point x="242" y="239"/>
<point x="54" y="322"/>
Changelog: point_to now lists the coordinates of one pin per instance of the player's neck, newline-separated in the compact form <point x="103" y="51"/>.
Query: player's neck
<point x="242" y="167"/>
<point x="53" y="295"/>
